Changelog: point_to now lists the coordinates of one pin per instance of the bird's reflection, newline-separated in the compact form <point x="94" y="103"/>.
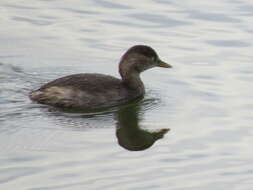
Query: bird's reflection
<point x="130" y="136"/>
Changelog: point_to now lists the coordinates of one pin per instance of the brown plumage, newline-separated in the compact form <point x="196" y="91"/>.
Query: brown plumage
<point x="92" y="91"/>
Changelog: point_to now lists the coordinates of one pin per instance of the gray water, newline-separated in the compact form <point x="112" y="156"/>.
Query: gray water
<point x="205" y="100"/>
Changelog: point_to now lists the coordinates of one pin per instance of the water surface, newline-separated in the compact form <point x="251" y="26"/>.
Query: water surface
<point x="206" y="99"/>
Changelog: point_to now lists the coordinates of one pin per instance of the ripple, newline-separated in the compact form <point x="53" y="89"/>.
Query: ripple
<point x="21" y="7"/>
<point x="213" y="17"/>
<point x="228" y="43"/>
<point x="80" y="11"/>
<point x="163" y="2"/>
<point x="109" y="4"/>
<point x="246" y="9"/>
<point x="125" y="23"/>
<point x="12" y="174"/>
<point x="158" y="20"/>
<point x="38" y="22"/>
<point x="10" y="69"/>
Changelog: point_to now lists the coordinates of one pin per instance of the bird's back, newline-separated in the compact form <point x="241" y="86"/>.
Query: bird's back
<point x="86" y="91"/>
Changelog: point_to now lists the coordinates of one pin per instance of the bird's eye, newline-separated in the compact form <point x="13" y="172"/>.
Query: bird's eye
<point x="153" y="58"/>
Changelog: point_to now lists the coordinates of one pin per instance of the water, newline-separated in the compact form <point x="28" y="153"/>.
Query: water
<point x="206" y="99"/>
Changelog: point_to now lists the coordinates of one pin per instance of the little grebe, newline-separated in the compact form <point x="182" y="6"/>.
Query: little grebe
<point x="92" y="91"/>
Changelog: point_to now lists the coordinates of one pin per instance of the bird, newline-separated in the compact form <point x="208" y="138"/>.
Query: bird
<point x="90" y="91"/>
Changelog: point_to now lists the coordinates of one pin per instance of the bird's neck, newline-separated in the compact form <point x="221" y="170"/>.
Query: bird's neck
<point x="130" y="76"/>
<point x="133" y="81"/>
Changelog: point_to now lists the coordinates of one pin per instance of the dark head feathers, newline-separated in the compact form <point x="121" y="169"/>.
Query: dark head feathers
<point x="142" y="50"/>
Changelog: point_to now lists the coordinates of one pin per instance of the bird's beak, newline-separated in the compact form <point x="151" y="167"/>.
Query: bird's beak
<point x="163" y="64"/>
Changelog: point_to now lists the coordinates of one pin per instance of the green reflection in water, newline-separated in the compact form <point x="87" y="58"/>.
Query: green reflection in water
<point x="128" y="132"/>
<point x="130" y="135"/>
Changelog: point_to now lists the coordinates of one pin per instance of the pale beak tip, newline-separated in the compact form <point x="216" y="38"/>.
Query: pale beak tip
<point x="164" y="65"/>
